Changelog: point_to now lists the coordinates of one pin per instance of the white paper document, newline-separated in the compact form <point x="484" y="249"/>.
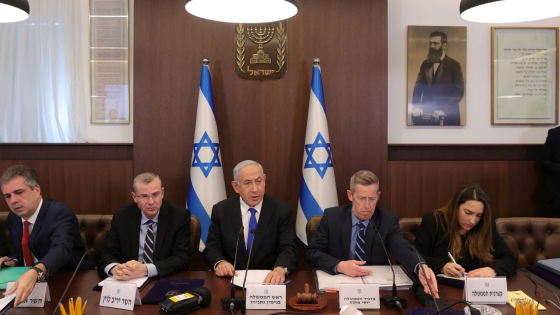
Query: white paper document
<point x="137" y="281"/>
<point x="253" y="277"/>
<point x="381" y="275"/>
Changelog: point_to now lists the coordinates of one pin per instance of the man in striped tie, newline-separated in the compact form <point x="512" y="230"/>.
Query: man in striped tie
<point x="346" y="240"/>
<point x="150" y="237"/>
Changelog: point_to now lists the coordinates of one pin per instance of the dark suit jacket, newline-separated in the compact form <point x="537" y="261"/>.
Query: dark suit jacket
<point x="551" y="164"/>
<point x="442" y="91"/>
<point x="55" y="240"/>
<point x="274" y="243"/>
<point x="173" y="238"/>
<point x="331" y="243"/>
<point x="432" y="243"/>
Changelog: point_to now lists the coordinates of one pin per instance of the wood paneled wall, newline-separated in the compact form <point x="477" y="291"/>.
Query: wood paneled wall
<point x="264" y="121"/>
<point x="424" y="178"/>
<point x="89" y="179"/>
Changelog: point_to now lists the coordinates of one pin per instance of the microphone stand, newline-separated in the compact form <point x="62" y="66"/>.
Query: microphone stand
<point x="413" y="248"/>
<point x="92" y="251"/>
<point x="394" y="300"/>
<point x="234" y="302"/>
<point x="243" y="308"/>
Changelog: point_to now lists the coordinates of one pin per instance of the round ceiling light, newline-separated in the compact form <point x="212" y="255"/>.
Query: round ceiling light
<point x="243" y="11"/>
<point x="508" y="11"/>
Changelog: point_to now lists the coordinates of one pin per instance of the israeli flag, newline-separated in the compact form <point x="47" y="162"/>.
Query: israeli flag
<point x="206" y="184"/>
<point x="318" y="189"/>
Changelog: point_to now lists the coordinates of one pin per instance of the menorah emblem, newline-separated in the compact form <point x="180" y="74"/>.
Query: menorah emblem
<point x="260" y="36"/>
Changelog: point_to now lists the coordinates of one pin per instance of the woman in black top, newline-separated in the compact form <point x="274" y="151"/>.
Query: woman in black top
<point x="465" y="229"/>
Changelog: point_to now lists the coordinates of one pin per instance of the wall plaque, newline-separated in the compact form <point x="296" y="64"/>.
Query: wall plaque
<point x="261" y="50"/>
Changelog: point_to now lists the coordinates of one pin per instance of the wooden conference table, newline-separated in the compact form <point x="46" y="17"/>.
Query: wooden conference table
<point x="86" y="280"/>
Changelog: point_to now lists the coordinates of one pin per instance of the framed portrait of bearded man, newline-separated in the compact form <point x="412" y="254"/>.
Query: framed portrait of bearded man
<point x="436" y="75"/>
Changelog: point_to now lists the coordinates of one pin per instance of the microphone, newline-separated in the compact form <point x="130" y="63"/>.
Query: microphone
<point x="243" y="305"/>
<point x="232" y="301"/>
<point x="394" y="300"/>
<point x="90" y="251"/>
<point x="413" y="248"/>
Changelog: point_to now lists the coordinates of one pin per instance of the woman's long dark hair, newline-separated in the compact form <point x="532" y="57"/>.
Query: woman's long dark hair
<point x="479" y="239"/>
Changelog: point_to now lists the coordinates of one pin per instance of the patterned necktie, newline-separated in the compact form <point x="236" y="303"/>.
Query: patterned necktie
<point x="148" y="257"/>
<point x="252" y="225"/>
<point x="24" y="240"/>
<point x="360" y="252"/>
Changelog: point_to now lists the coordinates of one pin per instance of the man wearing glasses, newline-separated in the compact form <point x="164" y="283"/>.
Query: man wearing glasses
<point x="346" y="240"/>
<point x="150" y="237"/>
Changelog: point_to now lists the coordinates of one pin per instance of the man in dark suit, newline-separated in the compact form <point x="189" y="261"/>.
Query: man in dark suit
<point x="345" y="239"/>
<point x="44" y="232"/>
<point x="150" y="237"/>
<point x="551" y="163"/>
<point x="439" y="85"/>
<point x="274" y="240"/>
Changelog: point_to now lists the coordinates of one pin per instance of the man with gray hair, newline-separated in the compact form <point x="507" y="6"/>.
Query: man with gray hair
<point x="346" y="240"/>
<point x="149" y="237"/>
<point x="44" y="232"/>
<point x="268" y="229"/>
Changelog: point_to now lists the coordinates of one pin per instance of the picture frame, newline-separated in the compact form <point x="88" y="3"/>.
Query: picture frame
<point x="436" y="76"/>
<point x="109" y="61"/>
<point x="524" y="76"/>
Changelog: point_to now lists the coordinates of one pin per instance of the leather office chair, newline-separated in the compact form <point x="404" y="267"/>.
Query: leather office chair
<point x="197" y="262"/>
<point x="409" y="227"/>
<point x="93" y="230"/>
<point x="311" y="226"/>
<point x="531" y="239"/>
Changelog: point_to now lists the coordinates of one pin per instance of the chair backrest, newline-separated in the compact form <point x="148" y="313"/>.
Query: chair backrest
<point x="4" y="221"/>
<point x="409" y="226"/>
<point x="93" y="230"/>
<point x="531" y="239"/>
<point x="311" y="227"/>
<point x="196" y="258"/>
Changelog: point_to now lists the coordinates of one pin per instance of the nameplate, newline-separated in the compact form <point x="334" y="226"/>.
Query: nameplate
<point x="266" y="297"/>
<point x="486" y="290"/>
<point x="361" y="296"/>
<point x="120" y="294"/>
<point x="38" y="296"/>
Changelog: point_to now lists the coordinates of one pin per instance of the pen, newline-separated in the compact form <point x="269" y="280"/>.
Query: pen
<point x="10" y="259"/>
<point x="453" y="260"/>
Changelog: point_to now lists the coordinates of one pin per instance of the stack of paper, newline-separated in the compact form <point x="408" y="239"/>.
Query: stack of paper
<point x="381" y="275"/>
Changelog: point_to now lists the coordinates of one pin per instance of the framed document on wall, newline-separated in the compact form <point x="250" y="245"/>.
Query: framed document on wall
<point x="109" y="68"/>
<point x="524" y="76"/>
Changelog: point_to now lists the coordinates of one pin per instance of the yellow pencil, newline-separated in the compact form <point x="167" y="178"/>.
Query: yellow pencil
<point x="84" y="308"/>
<point x="71" y="306"/>
<point x="78" y="310"/>
<point x="62" y="310"/>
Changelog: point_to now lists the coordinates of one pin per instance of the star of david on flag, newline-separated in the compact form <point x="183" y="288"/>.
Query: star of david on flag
<point x="317" y="188"/>
<point x="206" y="142"/>
<point x="310" y="149"/>
<point x="206" y="183"/>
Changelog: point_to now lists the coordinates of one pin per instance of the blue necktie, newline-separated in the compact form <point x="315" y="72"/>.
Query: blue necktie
<point x="360" y="252"/>
<point x="148" y="257"/>
<point x="252" y="225"/>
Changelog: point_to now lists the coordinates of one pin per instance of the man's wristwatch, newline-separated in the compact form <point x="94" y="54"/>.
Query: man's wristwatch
<point x="285" y="270"/>
<point x="41" y="276"/>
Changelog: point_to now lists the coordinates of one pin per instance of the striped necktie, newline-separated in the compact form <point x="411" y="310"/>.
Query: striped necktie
<point x="360" y="252"/>
<point x="148" y="257"/>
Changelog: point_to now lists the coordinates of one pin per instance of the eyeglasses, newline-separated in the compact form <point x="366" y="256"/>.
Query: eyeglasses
<point x="362" y="200"/>
<point x="156" y="196"/>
